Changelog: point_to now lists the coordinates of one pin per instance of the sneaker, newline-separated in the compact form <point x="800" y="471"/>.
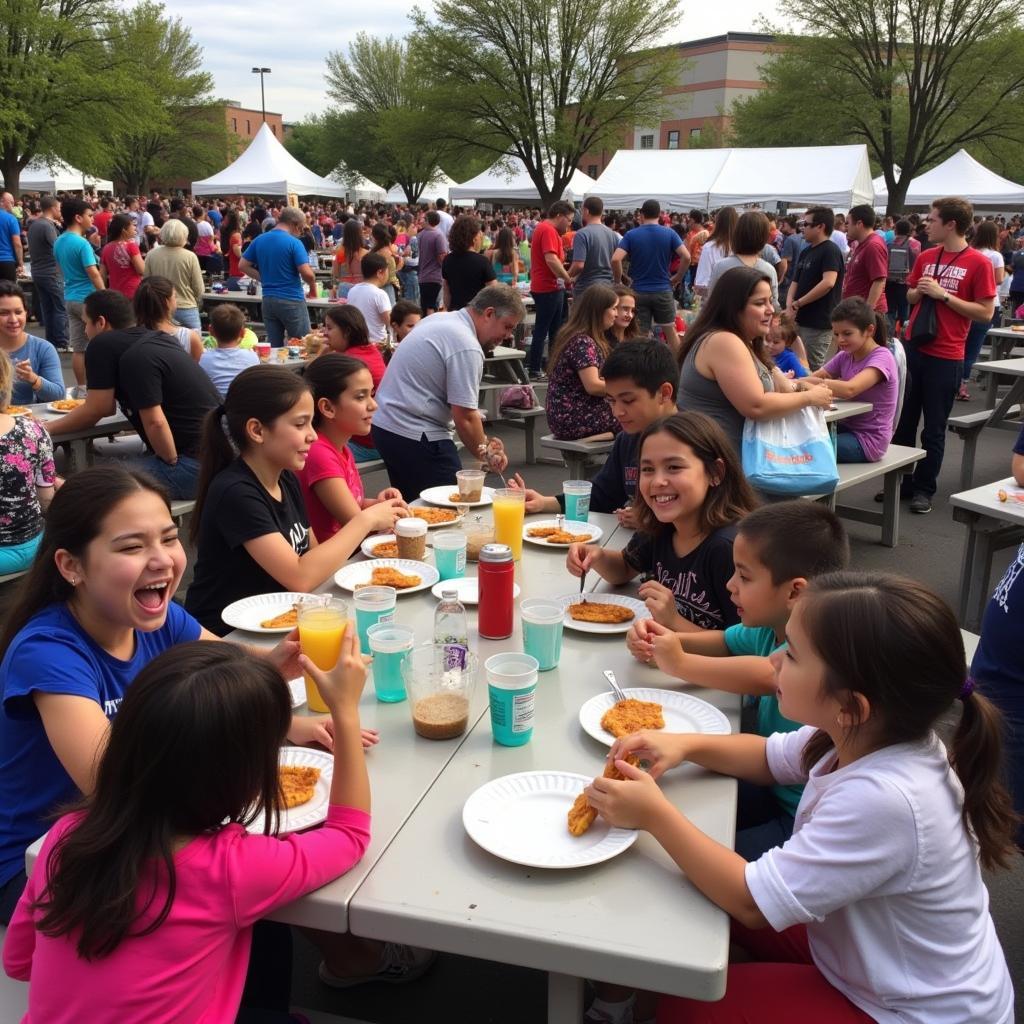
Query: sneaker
<point x="963" y="395"/>
<point x="399" y="965"/>
<point x="921" y="504"/>
<point x="601" y="1012"/>
<point x="538" y="375"/>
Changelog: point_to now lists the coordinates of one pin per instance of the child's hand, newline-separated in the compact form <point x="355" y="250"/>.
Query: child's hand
<point x="384" y="514"/>
<point x="391" y="494"/>
<point x="633" y="803"/>
<point x="660" y="600"/>
<point x="535" y="501"/>
<point x="662" y="750"/>
<point x="638" y="641"/>
<point x="626" y="517"/>
<point x="668" y="651"/>
<point x="284" y="656"/>
<point x="342" y="686"/>
<point x="581" y="557"/>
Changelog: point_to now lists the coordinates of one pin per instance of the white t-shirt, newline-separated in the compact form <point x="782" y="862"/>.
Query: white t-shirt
<point x="374" y="304"/>
<point x="709" y="256"/>
<point x="996" y="259"/>
<point x="839" y="237"/>
<point x="883" y="874"/>
<point x="447" y="220"/>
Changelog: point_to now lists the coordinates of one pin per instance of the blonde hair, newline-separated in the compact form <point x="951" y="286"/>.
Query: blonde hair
<point x="6" y="382"/>
<point x="787" y="328"/>
<point x="174" y="232"/>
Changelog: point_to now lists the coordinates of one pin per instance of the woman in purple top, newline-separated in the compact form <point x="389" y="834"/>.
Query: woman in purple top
<point x="862" y="368"/>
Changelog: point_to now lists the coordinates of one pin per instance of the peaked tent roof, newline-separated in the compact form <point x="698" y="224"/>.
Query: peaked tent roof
<point x="356" y="186"/>
<point x="516" y="186"/>
<point x="683" y="178"/>
<point x="267" y="168"/>
<point x="437" y="188"/>
<point x="62" y="177"/>
<point x="960" y="175"/>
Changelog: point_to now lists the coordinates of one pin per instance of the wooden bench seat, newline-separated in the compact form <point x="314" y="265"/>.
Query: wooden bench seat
<point x="969" y="427"/>
<point x="579" y="456"/>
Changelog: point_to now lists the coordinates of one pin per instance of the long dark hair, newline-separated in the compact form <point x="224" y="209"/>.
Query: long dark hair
<point x="194" y="746"/>
<point x="328" y="376"/>
<point x="729" y="500"/>
<point x="505" y="247"/>
<point x="725" y="224"/>
<point x="351" y="323"/>
<point x="898" y="644"/>
<point x="74" y="519"/>
<point x="258" y="393"/>
<point x="229" y="225"/>
<point x="352" y="239"/>
<point x="722" y="309"/>
<point x="152" y="301"/>
<point x="856" y="311"/>
<point x="587" y="317"/>
<point x="118" y="225"/>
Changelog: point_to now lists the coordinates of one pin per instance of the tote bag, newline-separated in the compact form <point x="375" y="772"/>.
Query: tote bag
<point x="925" y="327"/>
<point x="792" y="455"/>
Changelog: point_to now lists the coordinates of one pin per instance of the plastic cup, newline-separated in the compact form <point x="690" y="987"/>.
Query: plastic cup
<point x="263" y="350"/>
<point x="471" y="483"/>
<point x="542" y="630"/>
<point x="389" y="644"/>
<point x="373" y="605"/>
<point x="512" y="692"/>
<point x="509" y="508"/>
<point x="439" y="691"/>
<point x="322" y="625"/>
<point x="577" y="500"/>
<point x="450" y="554"/>
<point x="411" y="537"/>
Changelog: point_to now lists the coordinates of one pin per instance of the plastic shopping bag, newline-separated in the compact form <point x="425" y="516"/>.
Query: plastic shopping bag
<point x="792" y="455"/>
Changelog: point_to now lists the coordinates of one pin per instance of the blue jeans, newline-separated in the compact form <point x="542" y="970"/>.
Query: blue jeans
<point x="188" y="318"/>
<point x="549" y="310"/>
<point x="49" y="291"/>
<point x="975" y="339"/>
<point x="284" y="318"/>
<point x="18" y="557"/>
<point x="180" y="480"/>
<point x="896" y="300"/>
<point x="413" y="466"/>
<point x="848" y="448"/>
<point x="410" y="281"/>
<point x="931" y="390"/>
<point x="761" y="823"/>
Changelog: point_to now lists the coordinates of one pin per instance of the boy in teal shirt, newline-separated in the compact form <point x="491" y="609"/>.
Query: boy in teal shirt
<point x="778" y="549"/>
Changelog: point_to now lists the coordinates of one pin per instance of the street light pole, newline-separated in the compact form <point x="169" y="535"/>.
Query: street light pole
<point x="263" y="100"/>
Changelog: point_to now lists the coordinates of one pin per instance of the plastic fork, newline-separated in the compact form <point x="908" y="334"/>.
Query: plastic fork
<point x="613" y="683"/>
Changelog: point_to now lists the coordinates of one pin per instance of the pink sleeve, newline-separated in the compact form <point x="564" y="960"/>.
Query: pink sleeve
<point x="267" y="872"/>
<point x="322" y="463"/>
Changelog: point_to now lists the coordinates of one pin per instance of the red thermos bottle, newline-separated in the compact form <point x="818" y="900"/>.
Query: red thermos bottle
<point x="495" y="579"/>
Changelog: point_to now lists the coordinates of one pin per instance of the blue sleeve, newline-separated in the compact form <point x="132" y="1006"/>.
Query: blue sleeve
<point x="299" y="254"/>
<point x="46" y="363"/>
<point x="624" y="242"/>
<point x="181" y="627"/>
<point x="53" y="661"/>
<point x="739" y="639"/>
<point x="13" y="227"/>
<point x="1018" y="448"/>
<point x="579" y="248"/>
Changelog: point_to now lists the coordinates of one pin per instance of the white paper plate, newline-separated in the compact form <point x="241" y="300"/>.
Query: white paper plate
<point x="371" y="542"/>
<point x="523" y="818"/>
<point x="439" y="496"/>
<point x="348" y="577"/>
<point x="469" y="592"/>
<point x="298" y="691"/>
<point x="640" y="611"/>
<point x="248" y="613"/>
<point x="295" y="819"/>
<point x="450" y="525"/>
<point x="60" y="412"/>
<point x="596" y="533"/>
<point x="682" y="713"/>
<point x="25" y="412"/>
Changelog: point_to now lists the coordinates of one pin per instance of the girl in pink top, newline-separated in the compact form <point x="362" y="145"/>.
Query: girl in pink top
<point x="331" y="486"/>
<point x="142" y="903"/>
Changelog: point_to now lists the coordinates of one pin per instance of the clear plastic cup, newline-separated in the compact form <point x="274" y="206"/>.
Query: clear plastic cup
<point x="542" y="630"/>
<point x="577" y="499"/>
<point x="439" y="692"/>
<point x="373" y="605"/>
<point x="512" y="692"/>
<point x="322" y="625"/>
<point x="509" y="508"/>
<point x="471" y="484"/>
<point x="389" y="644"/>
<point x="450" y="554"/>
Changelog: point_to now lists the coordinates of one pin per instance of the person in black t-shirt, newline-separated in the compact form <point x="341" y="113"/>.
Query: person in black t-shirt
<point x="465" y="270"/>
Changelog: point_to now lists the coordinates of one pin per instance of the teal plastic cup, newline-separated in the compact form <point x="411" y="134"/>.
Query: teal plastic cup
<point x="542" y="630"/>
<point x="577" y="500"/>
<point x="389" y="644"/>
<point x="450" y="554"/>
<point x="512" y="692"/>
<point x="373" y="605"/>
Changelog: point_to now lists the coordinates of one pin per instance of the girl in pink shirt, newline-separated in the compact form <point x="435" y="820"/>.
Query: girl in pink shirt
<point x="141" y="904"/>
<point x="331" y="486"/>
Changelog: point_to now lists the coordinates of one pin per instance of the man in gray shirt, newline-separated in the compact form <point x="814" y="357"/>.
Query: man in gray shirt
<point x="592" y="248"/>
<point x="433" y="378"/>
<point x="47" y="281"/>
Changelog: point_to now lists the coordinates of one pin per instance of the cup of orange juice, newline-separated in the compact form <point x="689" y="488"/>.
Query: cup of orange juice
<point x="509" y="512"/>
<point x="322" y="624"/>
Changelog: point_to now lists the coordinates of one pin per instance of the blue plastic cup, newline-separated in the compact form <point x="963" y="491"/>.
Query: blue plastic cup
<point x="389" y="644"/>
<point x="577" y="500"/>
<point x="373" y="605"/>
<point x="542" y="630"/>
<point x="450" y="554"/>
<point x="512" y="691"/>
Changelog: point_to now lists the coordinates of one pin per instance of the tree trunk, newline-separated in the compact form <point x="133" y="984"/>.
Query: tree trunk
<point x="898" y="195"/>
<point x="11" y="165"/>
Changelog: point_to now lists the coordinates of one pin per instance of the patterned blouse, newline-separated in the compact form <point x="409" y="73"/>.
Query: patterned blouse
<point x="571" y="410"/>
<point x="26" y="462"/>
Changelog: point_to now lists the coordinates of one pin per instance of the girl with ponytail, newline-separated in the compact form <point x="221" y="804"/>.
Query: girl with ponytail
<point x="875" y="909"/>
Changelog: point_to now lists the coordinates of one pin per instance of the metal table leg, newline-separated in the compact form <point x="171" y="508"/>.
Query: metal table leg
<point x="565" y="999"/>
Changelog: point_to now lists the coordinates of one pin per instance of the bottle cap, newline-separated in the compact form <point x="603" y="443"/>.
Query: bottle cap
<point x="449" y="594"/>
<point x="495" y="553"/>
<point x="411" y="527"/>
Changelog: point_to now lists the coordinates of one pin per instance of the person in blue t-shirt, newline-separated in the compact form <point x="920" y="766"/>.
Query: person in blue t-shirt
<point x="777" y="550"/>
<point x="94" y="609"/>
<point x="280" y="262"/>
<point x="12" y="254"/>
<point x="651" y="248"/>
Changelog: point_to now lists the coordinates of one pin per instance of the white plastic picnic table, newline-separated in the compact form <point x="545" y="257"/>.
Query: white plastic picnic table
<point x="77" y="441"/>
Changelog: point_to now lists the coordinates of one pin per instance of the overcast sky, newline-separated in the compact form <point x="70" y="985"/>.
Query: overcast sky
<point x="238" y="35"/>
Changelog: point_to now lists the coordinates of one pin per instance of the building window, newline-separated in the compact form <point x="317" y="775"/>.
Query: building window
<point x="234" y="124"/>
<point x="647" y="142"/>
<point x="694" y="133"/>
<point x="248" y="127"/>
<point x="592" y="170"/>
<point x="273" y="128"/>
<point x="673" y="140"/>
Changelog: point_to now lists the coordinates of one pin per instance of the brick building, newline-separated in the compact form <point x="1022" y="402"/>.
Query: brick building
<point x="243" y="123"/>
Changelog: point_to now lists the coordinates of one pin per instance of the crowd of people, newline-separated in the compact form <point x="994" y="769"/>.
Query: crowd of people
<point x="663" y="333"/>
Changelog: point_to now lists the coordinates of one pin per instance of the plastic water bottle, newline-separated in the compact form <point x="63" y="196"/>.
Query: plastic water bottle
<point x="450" y="628"/>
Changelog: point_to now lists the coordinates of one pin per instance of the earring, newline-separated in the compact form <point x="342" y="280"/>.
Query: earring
<point x="74" y="581"/>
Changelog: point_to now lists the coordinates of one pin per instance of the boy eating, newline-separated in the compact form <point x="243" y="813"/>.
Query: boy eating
<point x="225" y="362"/>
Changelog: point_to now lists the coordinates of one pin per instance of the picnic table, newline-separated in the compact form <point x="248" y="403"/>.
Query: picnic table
<point x="1002" y="341"/>
<point x="77" y="441"/>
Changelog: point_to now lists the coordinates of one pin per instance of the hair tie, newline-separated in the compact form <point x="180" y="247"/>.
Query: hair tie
<point x="968" y="688"/>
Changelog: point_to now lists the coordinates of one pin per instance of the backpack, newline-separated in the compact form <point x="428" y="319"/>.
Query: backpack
<point x="899" y="261"/>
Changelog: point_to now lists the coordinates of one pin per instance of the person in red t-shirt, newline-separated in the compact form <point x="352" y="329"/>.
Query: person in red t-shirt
<point x="548" y="278"/>
<point x="869" y="264"/>
<point x="959" y="280"/>
<point x="102" y="219"/>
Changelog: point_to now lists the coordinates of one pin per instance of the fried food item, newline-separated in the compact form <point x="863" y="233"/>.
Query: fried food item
<point x="289" y="618"/>
<point x="629" y="716"/>
<point x="298" y="783"/>
<point x="385" y="576"/>
<point x="581" y="814"/>
<point x="456" y="496"/>
<point x="565" y="537"/>
<point x="387" y="549"/>
<point x="433" y="516"/>
<point x="67" y="404"/>
<point x="600" y="611"/>
<point x="542" y="531"/>
<point x="18" y="410"/>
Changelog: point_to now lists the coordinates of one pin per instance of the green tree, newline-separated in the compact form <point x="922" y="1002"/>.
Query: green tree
<point x="915" y="80"/>
<point x="545" y="82"/>
<point x="176" y="129"/>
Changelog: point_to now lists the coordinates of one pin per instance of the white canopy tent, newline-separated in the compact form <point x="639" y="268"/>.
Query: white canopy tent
<point x="497" y="185"/>
<point x="437" y="188"/>
<point x="267" y="168"/>
<point x="357" y="188"/>
<point x="681" y="179"/>
<point x="960" y="175"/>
<point x="62" y="177"/>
